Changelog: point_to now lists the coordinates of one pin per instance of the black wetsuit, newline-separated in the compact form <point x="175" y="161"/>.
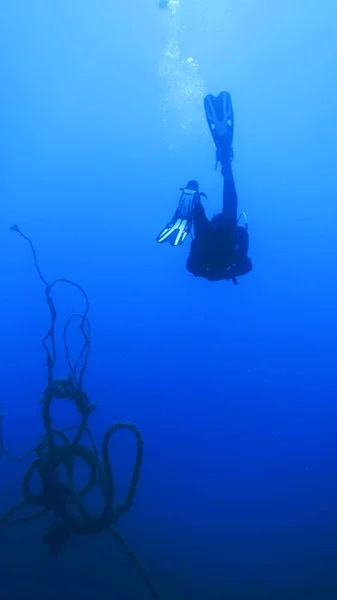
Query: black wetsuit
<point x="219" y="248"/>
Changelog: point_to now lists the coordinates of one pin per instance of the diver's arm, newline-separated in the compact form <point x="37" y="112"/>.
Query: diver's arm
<point x="240" y="268"/>
<point x="242" y="264"/>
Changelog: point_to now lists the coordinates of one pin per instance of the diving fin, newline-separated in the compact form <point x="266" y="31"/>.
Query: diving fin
<point x="220" y="119"/>
<point x="180" y="225"/>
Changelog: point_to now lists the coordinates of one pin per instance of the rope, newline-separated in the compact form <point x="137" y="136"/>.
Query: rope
<point x="56" y="450"/>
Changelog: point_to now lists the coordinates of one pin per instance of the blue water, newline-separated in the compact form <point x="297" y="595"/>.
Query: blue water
<point x="232" y="387"/>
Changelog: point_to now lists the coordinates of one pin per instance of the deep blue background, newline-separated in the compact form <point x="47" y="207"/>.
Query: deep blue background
<point x="233" y="388"/>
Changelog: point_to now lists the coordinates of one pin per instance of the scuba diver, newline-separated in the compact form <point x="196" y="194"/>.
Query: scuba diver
<point x="219" y="246"/>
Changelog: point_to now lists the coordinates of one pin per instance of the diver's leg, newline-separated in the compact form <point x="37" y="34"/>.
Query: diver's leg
<point x="202" y="229"/>
<point x="201" y="225"/>
<point x="229" y="195"/>
<point x="220" y="119"/>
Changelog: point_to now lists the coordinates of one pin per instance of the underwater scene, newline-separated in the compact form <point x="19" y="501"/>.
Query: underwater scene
<point x="168" y="203"/>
